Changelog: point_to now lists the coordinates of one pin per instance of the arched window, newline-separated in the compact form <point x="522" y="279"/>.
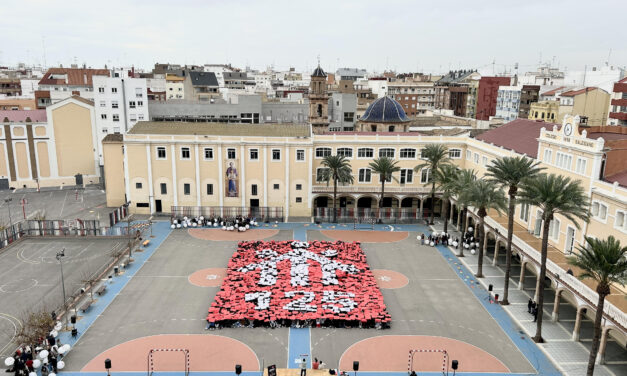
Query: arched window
<point x="346" y="152"/>
<point x="319" y="110"/>
<point x="323" y="152"/>
<point x="365" y="153"/>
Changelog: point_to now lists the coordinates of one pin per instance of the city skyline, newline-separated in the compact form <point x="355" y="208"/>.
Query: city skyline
<point x="397" y="35"/>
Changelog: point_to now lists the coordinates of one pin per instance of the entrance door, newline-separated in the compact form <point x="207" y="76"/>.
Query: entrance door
<point x="79" y="179"/>
<point x="254" y="202"/>
<point x="4" y="183"/>
<point x="570" y="240"/>
<point x="342" y="202"/>
<point x="158" y="206"/>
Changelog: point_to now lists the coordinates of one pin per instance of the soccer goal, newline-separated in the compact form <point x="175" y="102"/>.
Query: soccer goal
<point x="151" y="364"/>
<point x="361" y="223"/>
<point x="445" y="365"/>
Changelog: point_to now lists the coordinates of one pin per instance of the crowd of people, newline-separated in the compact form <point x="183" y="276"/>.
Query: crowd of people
<point x="437" y="239"/>
<point x="46" y="357"/>
<point x="287" y="323"/>
<point x="238" y="223"/>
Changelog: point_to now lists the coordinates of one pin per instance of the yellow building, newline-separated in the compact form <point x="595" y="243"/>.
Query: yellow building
<point x="545" y="110"/>
<point x="590" y="103"/>
<point x="51" y="147"/>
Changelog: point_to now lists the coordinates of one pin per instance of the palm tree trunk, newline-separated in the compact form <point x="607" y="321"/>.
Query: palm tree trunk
<point x="597" y="334"/>
<point x="334" y="196"/>
<point x="446" y="207"/>
<point x="545" y="246"/>
<point x="382" y="195"/>
<point x="432" y="202"/>
<point x="462" y="212"/>
<point x="508" y="252"/>
<point x="480" y="235"/>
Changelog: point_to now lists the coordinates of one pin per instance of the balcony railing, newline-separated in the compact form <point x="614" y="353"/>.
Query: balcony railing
<point x="618" y="115"/>
<point x="371" y="189"/>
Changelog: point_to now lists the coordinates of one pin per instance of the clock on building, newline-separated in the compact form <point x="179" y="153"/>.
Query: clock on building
<point x="568" y="129"/>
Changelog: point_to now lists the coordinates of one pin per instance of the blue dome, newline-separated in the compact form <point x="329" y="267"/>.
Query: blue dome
<point x="385" y="110"/>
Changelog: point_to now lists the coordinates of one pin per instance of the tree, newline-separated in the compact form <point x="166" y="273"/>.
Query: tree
<point x="36" y="325"/>
<point x="337" y="168"/>
<point x="385" y="167"/>
<point x="605" y="262"/>
<point x="435" y="155"/>
<point x="484" y="195"/>
<point x="509" y="172"/>
<point x="464" y="181"/>
<point x="553" y="194"/>
<point x="446" y="179"/>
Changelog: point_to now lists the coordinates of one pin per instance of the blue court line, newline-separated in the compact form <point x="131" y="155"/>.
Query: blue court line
<point x="530" y="350"/>
<point x="161" y="230"/>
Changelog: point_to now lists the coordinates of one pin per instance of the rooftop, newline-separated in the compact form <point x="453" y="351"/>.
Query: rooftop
<point x="520" y="135"/>
<point x="572" y="93"/>
<point x="203" y="78"/>
<point x="221" y="129"/>
<point x="553" y="91"/>
<point x="384" y="110"/>
<point x="620" y="178"/>
<point x="75" y="76"/>
<point x="36" y="116"/>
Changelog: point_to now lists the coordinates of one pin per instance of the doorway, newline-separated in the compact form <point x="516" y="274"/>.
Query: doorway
<point x="254" y="202"/>
<point x="158" y="207"/>
<point x="570" y="240"/>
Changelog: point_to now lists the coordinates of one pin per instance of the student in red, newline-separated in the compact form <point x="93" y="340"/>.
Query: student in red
<point x="315" y="364"/>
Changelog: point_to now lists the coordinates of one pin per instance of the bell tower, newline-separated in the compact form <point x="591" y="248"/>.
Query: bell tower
<point x="318" y="101"/>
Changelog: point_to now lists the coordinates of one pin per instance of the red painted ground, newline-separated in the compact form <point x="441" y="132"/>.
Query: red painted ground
<point x="391" y="353"/>
<point x="206" y="352"/>
<point x="366" y="236"/>
<point x="212" y="277"/>
<point x="389" y="279"/>
<point x="227" y="236"/>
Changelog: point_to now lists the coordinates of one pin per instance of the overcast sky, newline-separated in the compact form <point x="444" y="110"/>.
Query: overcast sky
<point x="430" y="36"/>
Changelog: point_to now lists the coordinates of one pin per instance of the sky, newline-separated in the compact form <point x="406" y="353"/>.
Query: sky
<point x="406" y="36"/>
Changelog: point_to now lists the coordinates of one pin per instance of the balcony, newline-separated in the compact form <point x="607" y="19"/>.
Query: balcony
<point x="620" y="87"/>
<point x="373" y="189"/>
<point x="619" y="102"/>
<point x="618" y="115"/>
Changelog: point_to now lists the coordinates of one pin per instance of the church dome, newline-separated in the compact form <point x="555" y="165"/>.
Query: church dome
<point x="384" y="110"/>
<point x="318" y="72"/>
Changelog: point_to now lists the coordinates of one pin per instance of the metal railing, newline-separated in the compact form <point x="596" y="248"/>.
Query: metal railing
<point x="260" y="213"/>
<point x="381" y="215"/>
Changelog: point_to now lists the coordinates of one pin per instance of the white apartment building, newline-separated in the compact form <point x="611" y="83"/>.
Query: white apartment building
<point x="119" y="103"/>
<point x="508" y="102"/>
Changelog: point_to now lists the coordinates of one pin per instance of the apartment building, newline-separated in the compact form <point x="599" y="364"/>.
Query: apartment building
<point x="618" y="104"/>
<point x="200" y="86"/>
<point x="61" y="83"/>
<point x="416" y="97"/>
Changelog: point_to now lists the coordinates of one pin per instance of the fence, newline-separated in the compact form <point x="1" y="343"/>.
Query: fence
<point x="261" y="213"/>
<point x="117" y="215"/>
<point x="10" y="234"/>
<point x="382" y="215"/>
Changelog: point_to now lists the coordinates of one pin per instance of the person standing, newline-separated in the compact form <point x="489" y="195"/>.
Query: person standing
<point x="303" y="367"/>
<point x="529" y="305"/>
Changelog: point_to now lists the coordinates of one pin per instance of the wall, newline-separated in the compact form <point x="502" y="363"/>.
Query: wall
<point x="73" y="122"/>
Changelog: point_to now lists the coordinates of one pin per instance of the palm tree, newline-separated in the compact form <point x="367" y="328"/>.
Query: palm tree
<point x="484" y="195"/>
<point x="446" y="179"/>
<point x="465" y="179"/>
<point x="385" y="167"/>
<point x="337" y="168"/>
<point x="553" y="194"/>
<point x="604" y="261"/>
<point x="435" y="156"/>
<point x="509" y="172"/>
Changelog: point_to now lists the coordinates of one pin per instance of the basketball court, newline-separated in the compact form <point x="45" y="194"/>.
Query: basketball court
<point x="164" y="306"/>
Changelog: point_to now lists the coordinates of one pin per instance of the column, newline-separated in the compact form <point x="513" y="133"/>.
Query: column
<point x="197" y="165"/>
<point x="220" y="180"/>
<point x="127" y="189"/>
<point x="556" y="306"/>
<point x="601" y="354"/>
<point x="243" y="186"/>
<point x="521" y="280"/>
<point x="421" y="206"/>
<point x="287" y="183"/>
<point x="497" y="245"/>
<point x="575" y="336"/>
<point x="175" y="183"/>
<point x="265" y="175"/>
<point x="151" y="192"/>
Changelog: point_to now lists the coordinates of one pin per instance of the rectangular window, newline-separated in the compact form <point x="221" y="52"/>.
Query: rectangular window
<point x="476" y="158"/>
<point x="299" y="187"/>
<point x="209" y="189"/>
<point x="185" y="153"/>
<point x="103" y="116"/>
<point x="299" y="199"/>
<point x="101" y="89"/>
<point x="484" y="160"/>
<point x="554" y="229"/>
<point x="114" y="104"/>
<point x="230" y="154"/>
<point x="425" y="175"/>
<point x="138" y="185"/>
<point x="455" y="153"/>
<point x="208" y="154"/>
<point x="138" y="92"/>
<point x="619" y="220"/>
<point x="320" y="174"/>
<point x="524" y="212"/>
<point x="407" y="176"/>
<point x="365" y="153"/>
<point x="300" y="155"/>
<point x="276" y="154"/>
<point x="365" y="175"/>
<point x="133" y="117"/>
<point x="253" y="154"/>
<point x="140" y="103"/>
<point x="548" y="156"/>
<point x="599" y="210"/>
<point x="164" y="188"/>
<point x="187" y="189"/>
<point x="161" y="152"/>
<point x="408" y="153"/>
<point x="345" y="152"/>
<point x="468" y="154"/>
<point x="131" y="104"/>
<point x="386" y="152"/>
<point x="581" y="166"/>
<point x="140" y="117"/>
<point x="275" y="187"/>
<point x="349" y="116"/>
<point x="116" y="117"/>
<point x="323" y="152"/>
<point x="253" y="189"/>
<point x="563" y="161"/>
<point x="114" y="89"/>
<point x="103" y="103"/>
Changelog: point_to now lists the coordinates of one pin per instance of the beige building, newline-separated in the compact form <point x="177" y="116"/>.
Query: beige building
<point x="590" y="103"/>
<point x="49" y="147"/>
<point x="174" y="87"/>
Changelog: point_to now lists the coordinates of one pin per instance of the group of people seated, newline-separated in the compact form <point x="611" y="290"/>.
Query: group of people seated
<point x="286" y="323"/>
<point x="437" y="239"/>
<point x="44" y="358"/>
<point x="239" y="223"/>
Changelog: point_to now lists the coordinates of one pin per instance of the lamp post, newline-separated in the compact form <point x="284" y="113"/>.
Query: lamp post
<point x="59" y="257"/>
<point x="128" y="228"/>
<point x="150" y="223"/>
<point x="8" y="202"/>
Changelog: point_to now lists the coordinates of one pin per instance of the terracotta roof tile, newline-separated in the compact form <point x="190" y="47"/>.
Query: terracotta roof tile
<point x="620" y="178"/>
<point x="75" y="76"/>
<point x="520" y="135"/>
<point x="572" y="93"/>
<point x="553" y="92"/>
